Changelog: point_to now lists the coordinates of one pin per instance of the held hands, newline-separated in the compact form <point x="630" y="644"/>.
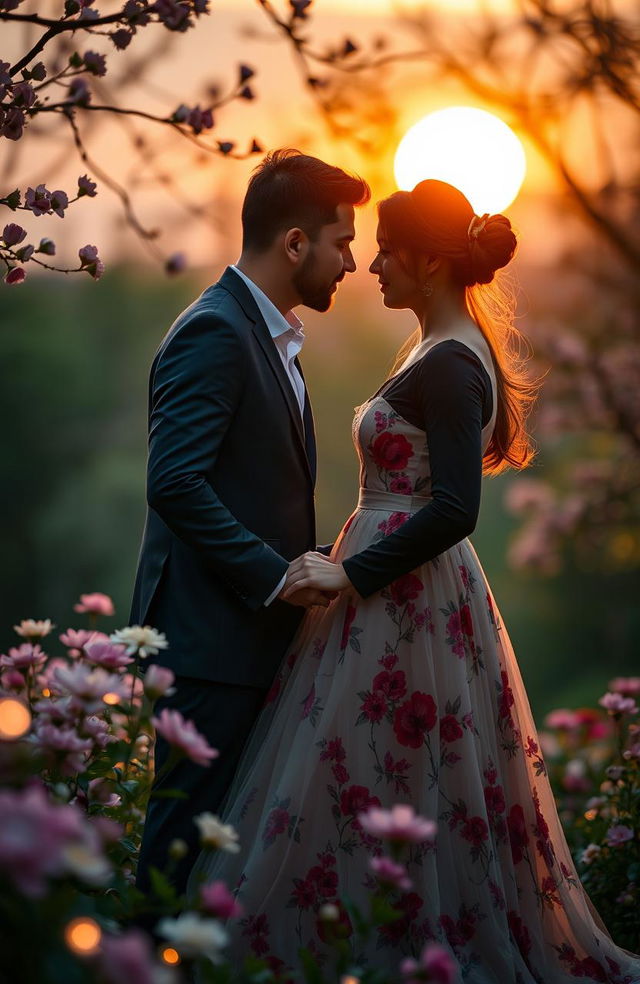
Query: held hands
<point x="313" y="579"/>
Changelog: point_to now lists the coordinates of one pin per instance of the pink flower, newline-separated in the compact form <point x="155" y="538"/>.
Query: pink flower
<point x="401" y="485"/>
<point x="88" y="684"/>
<point x="400" y="824"/>
<point x="65" y="745"/>
<point x="435" y="965"/>
<point x="101" y="791"/>
<point x="16" y="275"/>
<point x="24" y="656"/>
<point x="183" y="736"/>
<point x="627" y="686"/>
<point x="216" y="899"/>
<point x="562" y="719"/>
<point x="619" y="834"/>
<point x="158" y="681"/>
<point x="78" y="638"/>
<point x="126" y="958"/>
<point x="389" y="872"/>
<point x="97" y="603"/>
<point x="13" y="234"/>
<point x="107" y="655"/>
<point x="616" y="704"/>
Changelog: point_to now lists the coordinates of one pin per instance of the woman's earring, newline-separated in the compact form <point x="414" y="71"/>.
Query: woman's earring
<point x="427" y="289"/>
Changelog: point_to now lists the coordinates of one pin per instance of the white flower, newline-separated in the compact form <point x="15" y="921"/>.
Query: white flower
<point x="194" y="936"/>
<point x="140" y="639"/>
<point x="86" y="864"/>
<point x="590" y="852"/>
<point x="329" y="912"/>
<point x="213" y="833"/>
<point x="31" y="629"/>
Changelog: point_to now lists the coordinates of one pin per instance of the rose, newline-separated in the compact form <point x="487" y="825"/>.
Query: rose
<point x="405" y="589"/>
<point x="414" y="718"/>
<point x="355" y="799"/>
<point x="391" y="452"/>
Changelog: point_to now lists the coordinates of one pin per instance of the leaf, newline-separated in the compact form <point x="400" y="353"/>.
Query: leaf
<point x="161" y="886"/>
<point x="311" y="971"/>
<point x="355" y="645"/>
<point x="169" y="794"/>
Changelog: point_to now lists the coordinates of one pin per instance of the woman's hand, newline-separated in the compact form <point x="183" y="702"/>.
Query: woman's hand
<point x="314" y="570"/>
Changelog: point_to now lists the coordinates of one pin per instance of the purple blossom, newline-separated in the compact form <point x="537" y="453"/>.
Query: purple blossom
<point x="616" y="704"/>
<point x="121" y="38"/>
<point x="176" y="263"/>
<point x="127" y="957"/>
<point x="389" y="872"/>
<point x="24" y="656"/>
<point x="107" y="655"/>
<point x="13" y="234"/>
<point x="24" y="95"/>
<point x="65" y="744"/>
<point x="200" y="119"/>
<point x="38" y="200"/>
<point x="47" y="246"/>
<point x="183" y="736"/>
<point x="136" y="13"/>
<point x="86" y="187"/>
<point x="173" y="15"/>
<point x="217" y="900"/>
<point x="12" y="124"/>
<point x="59" y="202"/>
<point x="79" y="92"/>
<point x="38" y="72"/>
<point x="95" y="63"/>
<point x="25" y="252"/>
<point x="619" y="834"/>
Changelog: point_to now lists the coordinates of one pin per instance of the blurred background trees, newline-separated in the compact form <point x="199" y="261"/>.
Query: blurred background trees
<point x="561" y="544"/>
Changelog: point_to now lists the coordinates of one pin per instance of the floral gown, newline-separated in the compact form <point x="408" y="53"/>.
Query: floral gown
<point x="411" y="696"/>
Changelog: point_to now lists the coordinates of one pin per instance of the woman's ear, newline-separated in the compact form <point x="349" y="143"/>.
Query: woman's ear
<point x="432" y="265"/>
<point x="296" y="245"/>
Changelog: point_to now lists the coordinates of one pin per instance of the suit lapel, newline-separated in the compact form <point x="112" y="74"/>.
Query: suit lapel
<point x="236" y="286"/>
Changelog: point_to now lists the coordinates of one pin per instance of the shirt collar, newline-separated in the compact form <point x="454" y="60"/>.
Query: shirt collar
<point x="276" y="322"/>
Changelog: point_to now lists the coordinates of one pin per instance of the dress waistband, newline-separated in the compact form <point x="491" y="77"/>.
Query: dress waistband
<point x="391" y="501"/>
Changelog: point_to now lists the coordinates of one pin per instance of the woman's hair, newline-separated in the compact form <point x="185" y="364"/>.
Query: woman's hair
<point x="436" y="220"/>
<point x="290" y="189"/>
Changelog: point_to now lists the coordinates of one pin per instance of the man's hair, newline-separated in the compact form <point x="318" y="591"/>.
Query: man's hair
<point x="288" y="190"/>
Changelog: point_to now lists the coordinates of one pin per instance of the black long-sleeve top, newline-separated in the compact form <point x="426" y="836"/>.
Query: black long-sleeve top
<point x="448" y="394"/>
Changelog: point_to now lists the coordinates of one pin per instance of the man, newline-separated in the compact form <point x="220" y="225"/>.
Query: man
<point x="230" y="479"/>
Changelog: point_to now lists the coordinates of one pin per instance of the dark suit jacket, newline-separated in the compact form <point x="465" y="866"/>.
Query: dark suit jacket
<point x="229" y="489"/>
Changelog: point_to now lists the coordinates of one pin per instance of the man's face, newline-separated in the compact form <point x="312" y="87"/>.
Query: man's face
<point x="328" y="259"/>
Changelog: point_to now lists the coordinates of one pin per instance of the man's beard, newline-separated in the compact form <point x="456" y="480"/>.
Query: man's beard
<point x="318" y="297"/>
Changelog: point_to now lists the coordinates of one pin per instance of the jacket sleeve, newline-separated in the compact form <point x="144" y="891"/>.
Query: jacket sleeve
<point x="452" y="392"/>
<point x="196" y="386"/>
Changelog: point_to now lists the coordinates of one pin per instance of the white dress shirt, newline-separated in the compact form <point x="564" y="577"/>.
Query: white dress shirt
<point x="287" y="332"/>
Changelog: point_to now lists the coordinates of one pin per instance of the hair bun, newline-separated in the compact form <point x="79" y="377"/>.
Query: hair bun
<point x="492" y="243"/>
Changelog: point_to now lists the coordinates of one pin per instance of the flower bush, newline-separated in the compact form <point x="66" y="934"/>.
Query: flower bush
<point x="76" y="728"/>
<point x="593" y="759"/>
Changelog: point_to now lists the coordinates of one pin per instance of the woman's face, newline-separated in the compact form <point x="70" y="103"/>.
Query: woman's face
<point x="399" y="289"/>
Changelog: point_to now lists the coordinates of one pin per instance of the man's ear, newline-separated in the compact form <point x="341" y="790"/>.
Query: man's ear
<point x="296" y="244"/>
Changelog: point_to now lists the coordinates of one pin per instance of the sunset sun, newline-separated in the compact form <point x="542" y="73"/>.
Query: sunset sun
<point x="469" y="148"/>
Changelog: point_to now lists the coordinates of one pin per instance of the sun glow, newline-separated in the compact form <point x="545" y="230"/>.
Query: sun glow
<point x="467" y="147"/>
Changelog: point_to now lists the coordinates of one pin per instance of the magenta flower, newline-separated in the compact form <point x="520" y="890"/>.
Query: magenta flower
<point x="96" y="603"/>
<point x="400" y="824"/>
<point x="127" y="958"/>
<point x="158" y="681"/>
<point x="562" y="719"/>
<point x="435" y="965"/>
<point x="627" y="686"/>
<point x="38" y="200"/>
<point x="16" y="275"/>
<point x="89" y="685"/>
<point x="183" y="736"/>
<point x="107" y="655"/>
<point x="216" y="899"/>
<point x="65" y="744"/>
<point x="619" y="834"/>
<point x="12" y="680"/>
<point x="391" y="873"/>
<point x="616" y="704"/>
<point x="13" y="234"/>
<point x="78" y="638"/>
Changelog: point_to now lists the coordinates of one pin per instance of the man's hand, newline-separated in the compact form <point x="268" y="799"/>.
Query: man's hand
<point x="314" y="572"/>
<point x="307" y="597"/>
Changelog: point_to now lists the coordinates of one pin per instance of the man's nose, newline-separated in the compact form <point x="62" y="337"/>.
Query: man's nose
<point x="349" y="265"/>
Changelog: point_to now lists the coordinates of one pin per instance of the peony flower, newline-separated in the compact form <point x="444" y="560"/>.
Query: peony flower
<point x="627" y="686"/>
<point x="214" y="833"/>
<point x="616" y="704"/>
<point x="183" y="736"/>
<point x="107" y="655"/>
<point x="217" y="900"/>
<point x="400" y="824"/>
<point x="140" y="639"/>
<point x="435" y="965"/>
<point x="391" y="873"/>
<point x="96" y="603"/>
<point x="193" y="936"/>
<point x="590" y="853"/>
<point x="619" y="834"/>
<point x="157" y="682"/>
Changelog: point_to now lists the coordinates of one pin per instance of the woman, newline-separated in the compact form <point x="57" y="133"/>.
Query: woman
<point x="406" y="689"/>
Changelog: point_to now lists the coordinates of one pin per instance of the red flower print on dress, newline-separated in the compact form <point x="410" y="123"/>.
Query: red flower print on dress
<point x="506" y="699"/>
<point x="277" y="823"/>
<point x="466" y="622"/>
<point x="357" y="799"/>
<point x="517" y="832"/>
<point x="392" y="685"/>
<point x="340" y="774"/>
<point x="414" y="719"/>
<point x="475" y="831"/>
<point x="519" y="932"/>
<point x="494" y="798"/>
<point x="374" y="707"/>
<point x="304" y="893"/>
<point x="257" y="929"/>
<point x="390" y="525"/>
<point x="450" y="730"/>
<point x="325" y="879"/>
<point x="401" y="485"/>
<point x="406" y="588"/>
<point x="334" y="751"/>
<point x="391" y="452"/>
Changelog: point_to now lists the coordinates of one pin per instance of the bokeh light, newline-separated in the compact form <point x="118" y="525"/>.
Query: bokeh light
<point x="15" y="719"/>
<point x="82" y="936"/>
